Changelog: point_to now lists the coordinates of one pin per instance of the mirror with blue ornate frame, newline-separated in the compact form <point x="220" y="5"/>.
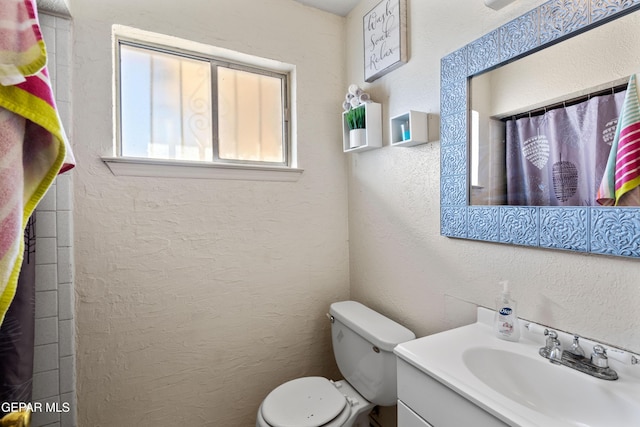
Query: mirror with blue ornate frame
<point x="598" y="230"/>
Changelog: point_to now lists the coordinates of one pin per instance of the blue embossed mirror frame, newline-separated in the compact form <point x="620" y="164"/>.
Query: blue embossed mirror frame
<point x="598" y="230"/>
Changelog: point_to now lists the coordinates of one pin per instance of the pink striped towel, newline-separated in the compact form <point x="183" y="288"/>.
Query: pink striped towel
<point x="33" y="145"/>
<point x="622" y="173"/>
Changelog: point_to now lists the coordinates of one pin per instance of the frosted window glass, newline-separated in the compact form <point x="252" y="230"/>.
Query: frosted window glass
<point x="165" y="105"/>
<point x="250" y="116"/>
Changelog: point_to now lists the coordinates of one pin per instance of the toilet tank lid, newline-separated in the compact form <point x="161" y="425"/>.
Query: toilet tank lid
<point x="372" y="326"/>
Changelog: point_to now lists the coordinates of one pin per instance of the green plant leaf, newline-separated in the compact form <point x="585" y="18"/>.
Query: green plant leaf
<point x="356" y="118"/>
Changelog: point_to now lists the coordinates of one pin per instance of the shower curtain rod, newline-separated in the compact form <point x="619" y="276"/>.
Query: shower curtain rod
<point x="562" y="104"/>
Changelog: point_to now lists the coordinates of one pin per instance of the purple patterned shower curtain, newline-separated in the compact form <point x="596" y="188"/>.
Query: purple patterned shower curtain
<point x="17" y="330"/>
<point x="558" y="158"/>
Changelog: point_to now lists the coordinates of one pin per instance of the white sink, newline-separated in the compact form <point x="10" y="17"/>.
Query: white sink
<point x="512" y="382"/>
<point x="555" y="390"/>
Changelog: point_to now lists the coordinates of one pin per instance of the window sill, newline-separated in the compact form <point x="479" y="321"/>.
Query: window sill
<point x="133" y="166"/>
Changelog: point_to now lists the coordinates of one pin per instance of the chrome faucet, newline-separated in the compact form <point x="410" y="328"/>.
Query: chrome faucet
<point x="597" y="365"/>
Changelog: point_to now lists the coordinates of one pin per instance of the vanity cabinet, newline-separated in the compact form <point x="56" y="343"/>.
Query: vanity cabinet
<point x="425" y="402"/>
<point x="408" y="418"/>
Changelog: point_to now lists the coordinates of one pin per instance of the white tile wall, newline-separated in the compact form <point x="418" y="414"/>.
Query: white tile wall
<point x="46" y="331"/>
<point x="54" y="378"/>
<point x="47" y="275"/>
<point x="46" y="358"/>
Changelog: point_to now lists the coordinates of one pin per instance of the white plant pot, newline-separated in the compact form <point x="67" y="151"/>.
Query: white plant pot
<point x="357" y="137"/>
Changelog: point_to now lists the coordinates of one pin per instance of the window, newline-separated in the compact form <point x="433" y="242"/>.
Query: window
<point x="178" y="105"/>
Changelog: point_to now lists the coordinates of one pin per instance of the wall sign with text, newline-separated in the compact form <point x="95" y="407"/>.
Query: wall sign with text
<point x="385" y="38"/>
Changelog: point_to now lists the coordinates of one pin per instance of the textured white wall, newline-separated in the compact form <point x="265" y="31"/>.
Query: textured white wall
<point x="401" y="265"/>
<point x="197" y="297"/>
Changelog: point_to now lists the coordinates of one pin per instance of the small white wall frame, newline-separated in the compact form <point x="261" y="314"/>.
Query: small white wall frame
<point x="416" y="123"/>
<point x="373" y="119"/>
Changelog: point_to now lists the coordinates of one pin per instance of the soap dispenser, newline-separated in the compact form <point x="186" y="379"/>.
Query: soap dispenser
<point x="506" y="324"/>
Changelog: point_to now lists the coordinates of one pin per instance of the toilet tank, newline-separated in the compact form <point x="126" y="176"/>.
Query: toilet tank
<point x="363" y="342"/>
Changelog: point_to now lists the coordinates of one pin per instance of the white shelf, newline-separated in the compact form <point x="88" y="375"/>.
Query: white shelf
<point x="373" y="120"/>
<point x="419" y="124"/>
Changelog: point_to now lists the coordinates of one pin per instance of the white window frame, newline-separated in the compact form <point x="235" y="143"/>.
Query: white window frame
<point x="217" y="169"/>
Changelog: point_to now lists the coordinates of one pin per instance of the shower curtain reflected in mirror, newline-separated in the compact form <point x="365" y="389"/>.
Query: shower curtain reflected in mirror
<point x="17" y="330"/>
<point x="558" y="158"/>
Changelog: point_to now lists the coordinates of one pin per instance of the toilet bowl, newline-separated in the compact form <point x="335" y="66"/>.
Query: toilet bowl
<point x="314" y="402"/>
<point x="363" y="342"/>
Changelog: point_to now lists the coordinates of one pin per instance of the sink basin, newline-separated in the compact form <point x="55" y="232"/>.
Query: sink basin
<point x="567" y="395"/>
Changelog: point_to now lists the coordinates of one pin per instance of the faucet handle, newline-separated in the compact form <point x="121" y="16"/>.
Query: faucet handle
<point x="552" y="345"/>
<point x="599" y="356"/>
<point x="552" y="338"/>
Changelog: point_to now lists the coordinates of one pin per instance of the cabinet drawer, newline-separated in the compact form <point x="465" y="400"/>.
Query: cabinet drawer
<point x="437" y="403"/>
<point x="408" y="418"/>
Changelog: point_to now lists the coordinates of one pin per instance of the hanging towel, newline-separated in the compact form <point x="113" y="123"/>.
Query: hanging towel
<point x="33" y="145"/>
<point x="622" y="173"/>
<point x="22" y="50"/>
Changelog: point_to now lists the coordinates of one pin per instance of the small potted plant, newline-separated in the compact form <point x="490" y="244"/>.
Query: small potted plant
<point x="356" y="122"/>
<point x="355" y="115"/>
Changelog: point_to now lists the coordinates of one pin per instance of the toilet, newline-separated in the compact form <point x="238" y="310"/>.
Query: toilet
<point x="363" y="342"/>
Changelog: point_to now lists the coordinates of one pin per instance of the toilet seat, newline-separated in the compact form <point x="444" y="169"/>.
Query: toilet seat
<point x="305" y="402"/>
